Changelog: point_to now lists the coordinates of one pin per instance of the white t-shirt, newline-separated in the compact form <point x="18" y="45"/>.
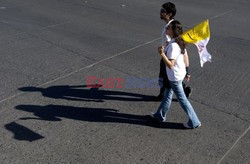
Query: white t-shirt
<point x="165" y="38"/>
<point x="178" y="72"/>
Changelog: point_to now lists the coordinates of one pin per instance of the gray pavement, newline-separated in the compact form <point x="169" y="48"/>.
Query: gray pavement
<point x="49" y="115"/>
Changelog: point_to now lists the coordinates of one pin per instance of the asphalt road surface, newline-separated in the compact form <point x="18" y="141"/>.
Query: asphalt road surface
<point x="48" y="114"/>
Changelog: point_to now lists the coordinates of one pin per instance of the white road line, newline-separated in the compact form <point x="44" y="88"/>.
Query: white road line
<point x="245" y="132"/>
<point x="235" y="143"/>
<point x="42" y="28"/>
<point x="54" y="25"/>
<point x="89" y="66"/>
<point x="219" y="15"/>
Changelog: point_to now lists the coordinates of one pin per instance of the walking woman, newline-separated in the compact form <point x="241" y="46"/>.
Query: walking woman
<point x="173" y="57"/>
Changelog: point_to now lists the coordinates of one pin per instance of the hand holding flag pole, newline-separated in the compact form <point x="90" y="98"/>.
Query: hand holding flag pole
<point x="199" y="35"/>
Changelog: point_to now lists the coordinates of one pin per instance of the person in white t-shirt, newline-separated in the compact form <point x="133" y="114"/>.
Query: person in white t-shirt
<point x="173" y="57"/>
<point x="167" y="14"/>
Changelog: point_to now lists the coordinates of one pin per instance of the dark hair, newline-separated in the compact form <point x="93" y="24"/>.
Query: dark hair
<point x="177" y="32"/>
<point x="170" y="8"/>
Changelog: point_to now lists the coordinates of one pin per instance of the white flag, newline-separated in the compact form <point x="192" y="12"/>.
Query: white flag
<point x="199" y="35"/>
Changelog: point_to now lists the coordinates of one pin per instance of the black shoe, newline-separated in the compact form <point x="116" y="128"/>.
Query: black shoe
<point x="158" y="98"/>
<point x="188" y="91"/>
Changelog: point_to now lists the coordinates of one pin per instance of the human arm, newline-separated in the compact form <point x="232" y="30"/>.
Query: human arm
<point x="169" y="62"/>
<point x="186" y="60"/>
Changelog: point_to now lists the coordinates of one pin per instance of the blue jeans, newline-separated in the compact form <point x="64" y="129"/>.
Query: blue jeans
<point x="177" y="88"/>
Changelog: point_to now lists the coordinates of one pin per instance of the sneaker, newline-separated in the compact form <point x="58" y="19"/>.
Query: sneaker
<point x="188" y="91"/>
<point x="152" y="116"/>
<point x="189" y="127"/>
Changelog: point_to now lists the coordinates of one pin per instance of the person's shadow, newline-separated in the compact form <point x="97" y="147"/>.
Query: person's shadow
<point x="57" y="112"/>
<point x="82" y="93"/>
<point x="22" y="133"/>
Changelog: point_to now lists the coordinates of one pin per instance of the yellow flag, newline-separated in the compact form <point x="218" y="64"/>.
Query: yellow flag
<point x="199" y="35"/>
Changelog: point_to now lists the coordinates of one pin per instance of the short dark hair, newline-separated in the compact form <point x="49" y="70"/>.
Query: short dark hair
<point x="170" y="8"/>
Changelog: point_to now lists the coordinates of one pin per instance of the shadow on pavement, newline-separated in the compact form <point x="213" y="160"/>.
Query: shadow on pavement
<point x="22" y="133"/>
<point x="82" y="93"/>
<point x="56" y="112"/>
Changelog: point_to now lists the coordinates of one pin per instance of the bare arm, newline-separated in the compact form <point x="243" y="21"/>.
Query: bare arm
<point x="169" y="62"/>
<point x="186" y="59"/>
